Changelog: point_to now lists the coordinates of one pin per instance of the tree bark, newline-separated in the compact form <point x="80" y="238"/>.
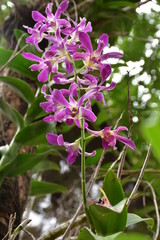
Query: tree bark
<point x="13" y="198"/>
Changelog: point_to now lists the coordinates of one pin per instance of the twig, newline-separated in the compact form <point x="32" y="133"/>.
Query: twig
<point x="29" y="234"/>
<point x="156" y="209"/>
<point x="75" y="9"/>
<point x="11" y="223"/>
<point x="12" y="219"/>
<point x="118" y="159"/>
<point x="61" y="228"/>
<point x="132" y="172"/>
<point x="121" y="165"/>
<point x="19" y="228"/>
<point x="140" y="177"/>
<point x="15" y="53"/>
<point x="118" y="120"/>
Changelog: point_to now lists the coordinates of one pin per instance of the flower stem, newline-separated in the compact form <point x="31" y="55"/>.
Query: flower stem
<point x="83" y="165"/>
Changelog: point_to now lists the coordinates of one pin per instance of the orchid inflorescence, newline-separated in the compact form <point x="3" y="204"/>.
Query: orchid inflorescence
<point x="69" y="42"/>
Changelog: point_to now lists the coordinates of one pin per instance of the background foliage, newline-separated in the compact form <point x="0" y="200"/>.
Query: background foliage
<point x="134" y="29"/>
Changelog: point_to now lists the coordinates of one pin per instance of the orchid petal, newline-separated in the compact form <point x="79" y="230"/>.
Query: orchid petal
<point x="105" y="144"/>
<point x="52" y="138"/>
<point x="38" y="16"/>
<point x="126" y="141"/>
<point x="87" y="154"/>
<point x="88" y="114"/>
<point x="58" y="96"/>
<point x="94" y="133"/>
<point x="111" y="55"/>
<point x="31" y="56"/>
<point x="85" y="40"/>
<point x="69" y="66"/>
<point x="43" y="75"/>
<point x="62" y="7"/>
<point x="60" y="140"/>
<point x="49" y="118"/>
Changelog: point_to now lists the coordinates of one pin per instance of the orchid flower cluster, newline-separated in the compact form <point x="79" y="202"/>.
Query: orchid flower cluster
<point x="69" y="43"/>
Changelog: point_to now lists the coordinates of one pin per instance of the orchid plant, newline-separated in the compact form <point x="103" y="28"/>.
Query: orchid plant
<point x="68" y="43"/>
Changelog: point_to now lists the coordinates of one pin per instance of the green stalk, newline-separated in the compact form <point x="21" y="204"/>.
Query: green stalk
<point x="83" y="165"/>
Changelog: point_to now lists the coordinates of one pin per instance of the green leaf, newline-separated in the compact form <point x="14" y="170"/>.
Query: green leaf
<point x="20" y="87"/>
<point x="22" y="163"/>
<point x="109" y="220"/>
<point x="34" y="134"/>
<point x="133" y="219"/>
<point x="93" y="160"/>
<point x="11" y="113"/>
<point x="132" y="236"/>
<point x="113" y="188"/>
<point x="46" y="165"/>
<point x="86" y="233"/>
<point x="43" y="188"/>
<point x="18" y="64"/>
<point x="35" y="111"/>
<point x="150" y="129"/>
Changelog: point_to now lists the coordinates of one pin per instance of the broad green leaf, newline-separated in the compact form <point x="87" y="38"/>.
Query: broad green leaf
<point x="18" y="64"/>
<point x="34" y="133"/>
<point x="110" y="220"/>
<point x="107" y="220"/>
<point x="132" y="236"/>
<point x="86" y="233"/>
<point x="35" y="111"/>
<point x="42" y="188"/>
<point x="133" y="219"/>
<point x="93" y="160"/>
<point x="11" y="113"/>
<point x="113" y="188"/>
<point x="50" y="149"/>
<point x="22" y="163"/>
<point x="150" y="129"/>
<point x="46" y="165"/>
<point x="20" y="87"/>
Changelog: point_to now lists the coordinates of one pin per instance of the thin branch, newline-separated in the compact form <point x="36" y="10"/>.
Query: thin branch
<point x="118" y="120"/>
<point x="156" y="209"/>
<point x="121" y="165"/>
<point x="12" y="219"/>
<point x="140" y="177"/>
<point x="29" y="234"/>
<point x="15" y="53"/>
<point x="75" y="9"/>
<point x="19" y="228"/>
<point x="61" y="228"/>
<point x="118" y="159"/>
<point x="132" y="172"/>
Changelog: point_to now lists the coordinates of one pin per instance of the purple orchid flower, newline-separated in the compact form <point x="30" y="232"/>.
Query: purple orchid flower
<point x="74" y="31"/>
<point x="93" y="59"/>
<point x="109" y="137"/>
<point x="49" y="24"/>
<point x="72" y="148"/>
<point x="67" y="111"/>
<point x="49" y="64"/>
<point x="93" y="89"/>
